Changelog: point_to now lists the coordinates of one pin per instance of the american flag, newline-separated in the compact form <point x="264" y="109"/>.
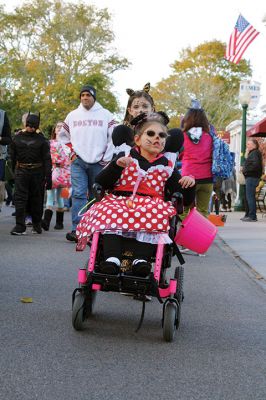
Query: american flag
<point x="243" y="34"/>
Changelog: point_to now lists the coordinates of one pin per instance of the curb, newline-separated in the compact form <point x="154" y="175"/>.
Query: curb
<point x="242" y="264"/>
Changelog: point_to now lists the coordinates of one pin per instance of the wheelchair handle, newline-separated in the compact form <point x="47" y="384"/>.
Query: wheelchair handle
<point x="98" y="191"/>
<point x="177" y="201"/>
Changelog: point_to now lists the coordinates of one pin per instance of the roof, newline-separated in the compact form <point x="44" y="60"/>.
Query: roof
<point x="258" y="130"/>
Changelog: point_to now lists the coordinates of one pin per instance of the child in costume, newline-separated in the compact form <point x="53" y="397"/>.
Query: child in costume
<point x="31" y="161"/>
<point x="135" y="207"/>
<point x="140" y="101"/>
<point x="60" y="179"/>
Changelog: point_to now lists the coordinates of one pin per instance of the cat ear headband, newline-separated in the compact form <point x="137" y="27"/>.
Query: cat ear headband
<point x="146" y="89"/>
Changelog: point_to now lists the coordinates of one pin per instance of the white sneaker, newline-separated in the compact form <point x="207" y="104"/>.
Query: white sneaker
<point x="184" y="250"/>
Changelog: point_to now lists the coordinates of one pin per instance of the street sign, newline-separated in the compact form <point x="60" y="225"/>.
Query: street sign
<point x="224" y="135"/>
<point x="252" y="89"/>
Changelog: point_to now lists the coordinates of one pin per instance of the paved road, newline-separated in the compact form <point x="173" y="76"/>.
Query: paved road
<point x="219" y="351"/>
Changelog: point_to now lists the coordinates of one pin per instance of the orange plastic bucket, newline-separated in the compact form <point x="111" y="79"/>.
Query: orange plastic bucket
<point x="196" y="232"/>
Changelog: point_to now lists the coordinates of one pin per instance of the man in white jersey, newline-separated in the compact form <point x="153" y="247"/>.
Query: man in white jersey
<point x="87" y="130"/>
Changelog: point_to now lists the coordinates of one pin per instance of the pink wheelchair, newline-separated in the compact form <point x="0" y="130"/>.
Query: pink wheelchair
<point x="169" y="293"/>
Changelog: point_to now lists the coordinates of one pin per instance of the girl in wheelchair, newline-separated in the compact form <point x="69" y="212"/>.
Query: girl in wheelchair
<point x="134" y="206"/>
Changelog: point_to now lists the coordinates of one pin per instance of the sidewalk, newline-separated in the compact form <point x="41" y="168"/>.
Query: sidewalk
<point x="247" y="240"/>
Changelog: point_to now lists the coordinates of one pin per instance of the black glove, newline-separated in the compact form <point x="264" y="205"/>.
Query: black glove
<point x="48" y="183"/>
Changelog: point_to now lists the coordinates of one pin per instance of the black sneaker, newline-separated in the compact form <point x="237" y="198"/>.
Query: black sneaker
<point x="36" y="228"/>
<point x="108" y="267"/>
<point x="18" y="231"/>
<point x="142" y="268"/>
<point x="72" y="237"/>
<point x="249" y="219"/>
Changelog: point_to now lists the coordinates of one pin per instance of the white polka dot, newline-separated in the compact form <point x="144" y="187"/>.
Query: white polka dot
<point x="148" y="225"/>
<point x="165" y="221"/>
<point x="143" y="209"/>
<point x="108" y="221"/>
<point x="154" y="220"/>
<point x="154" y="182"/>
<point x="142" y="219"/>
<point x="102" y="226"/>
<point x="137" y="226"/>
<point x="103" y="217"/>
<point x="160" y="206"/>
<point x="159" y="215"/>
<point x="109" y="212"/>
<point x="97" y="223"/>
<point x="154" y="211"/>
<point x="148" y="215"/>
<point x="125" y="226"/>
<point x="114" y="216"/>
<point x="119" y="220"/>
<point x="120" y="210"/>
<point x="123" y="182"/>
<point x="125" y="215"/>
<point x="160" y="226"/>
<point x="159" y="177"/>
<point x="131" y="220"/>
<point x="113" y="225"/>
<point x="130" y="178"/>
<point x="92" y="229"/>
<point x="137" y="214"/>
<point x="104" y="208"/>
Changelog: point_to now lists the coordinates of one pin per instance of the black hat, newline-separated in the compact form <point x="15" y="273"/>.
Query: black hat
<point x="33" y="120"/>
<point x="90" y="89"/>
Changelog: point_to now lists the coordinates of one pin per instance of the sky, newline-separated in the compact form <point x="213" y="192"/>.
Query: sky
<point x="150" y="34"/>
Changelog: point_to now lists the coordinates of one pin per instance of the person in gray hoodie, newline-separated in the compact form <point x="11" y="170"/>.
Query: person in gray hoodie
<point x="87" y="130"/>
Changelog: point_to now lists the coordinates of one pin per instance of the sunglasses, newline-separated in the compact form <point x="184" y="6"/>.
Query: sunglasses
<point x="162" y="135"/>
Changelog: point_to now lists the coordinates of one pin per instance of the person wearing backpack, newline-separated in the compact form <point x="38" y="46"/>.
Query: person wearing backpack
<point x="197" y="154"/>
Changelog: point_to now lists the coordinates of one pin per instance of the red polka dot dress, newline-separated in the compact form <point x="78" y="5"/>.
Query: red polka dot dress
<point x="143" y="215"/>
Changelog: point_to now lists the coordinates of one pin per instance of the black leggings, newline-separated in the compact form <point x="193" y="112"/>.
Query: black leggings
<point x="113" y="246"/>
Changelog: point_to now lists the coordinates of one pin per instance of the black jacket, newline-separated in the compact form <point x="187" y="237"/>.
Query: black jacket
<point x="253" y="164"/>
<point x="33" y="148"/>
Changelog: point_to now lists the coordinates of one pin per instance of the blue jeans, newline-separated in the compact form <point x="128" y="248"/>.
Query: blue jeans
<point x="82" y="179"/>
<point x="251" y="184"/>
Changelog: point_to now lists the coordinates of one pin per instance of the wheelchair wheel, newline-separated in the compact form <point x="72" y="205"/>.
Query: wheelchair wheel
<point x="169" y="323"/>
<point x="89" y="304"/>
<point x="179" y="276"/>
<point x="78" y="312"/>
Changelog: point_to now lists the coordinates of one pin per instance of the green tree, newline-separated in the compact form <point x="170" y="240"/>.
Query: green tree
<point x="48" y="50"/>
<point x="203" y="73"/>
